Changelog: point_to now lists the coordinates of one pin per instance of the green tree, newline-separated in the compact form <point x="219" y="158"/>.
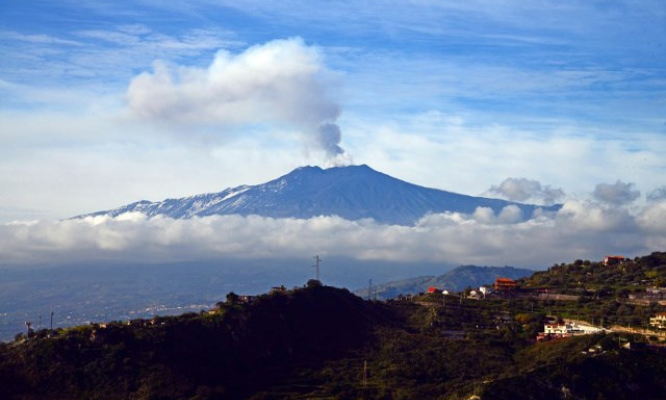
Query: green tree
<point x="232" y="298"/>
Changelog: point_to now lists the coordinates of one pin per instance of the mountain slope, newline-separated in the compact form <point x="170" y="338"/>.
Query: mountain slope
<point x="454" y="280"/>
<point x="353" y="193"/>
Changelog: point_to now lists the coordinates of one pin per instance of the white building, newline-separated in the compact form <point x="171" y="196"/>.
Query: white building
<point x="569" y="328"/>
<point x="555" y="329"/>
<point x="659" y="321"/>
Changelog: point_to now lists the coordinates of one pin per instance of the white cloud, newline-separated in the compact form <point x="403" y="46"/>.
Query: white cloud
<point x="103" y="59"/>
<point x="283" y="81"/>
<point x="592" y="217"/>
<point x="522" y="189"/>
<point x="453" y="151"/>
<point x="32" y="38"/>
<point x="653" y="217"/>
<point x="579" y="230"/>
<point x="618" y="193"/>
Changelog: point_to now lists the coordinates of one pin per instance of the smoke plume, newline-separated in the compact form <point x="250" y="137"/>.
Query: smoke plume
<point x="282" y="82"/>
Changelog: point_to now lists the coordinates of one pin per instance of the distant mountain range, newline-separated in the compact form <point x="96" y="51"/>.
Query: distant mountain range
<point x="454" y="280"/>
<point x="352" y="193"/>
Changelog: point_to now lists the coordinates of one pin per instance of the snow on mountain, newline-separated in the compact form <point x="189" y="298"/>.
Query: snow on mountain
<point x="353" y="193"/>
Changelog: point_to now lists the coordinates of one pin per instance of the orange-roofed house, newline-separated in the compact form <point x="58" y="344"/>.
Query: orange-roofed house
<point x="504" y="284"/>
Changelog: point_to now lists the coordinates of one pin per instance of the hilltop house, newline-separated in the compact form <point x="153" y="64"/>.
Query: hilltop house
<point x="612" y="260"/>
<point x="278" y="289"/>
<point x="505" y="285"/>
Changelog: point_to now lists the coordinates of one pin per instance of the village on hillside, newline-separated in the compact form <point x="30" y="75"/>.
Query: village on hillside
<point x="562" y="310"/>
<point x="649" y="299"/>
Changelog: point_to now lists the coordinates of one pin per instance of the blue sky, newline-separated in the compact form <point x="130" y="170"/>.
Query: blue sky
<point x="105" y="102"/>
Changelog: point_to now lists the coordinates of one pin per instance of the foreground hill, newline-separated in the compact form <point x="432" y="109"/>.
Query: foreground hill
<point x="231" y="353"/>
<point x="455" y="280"/>
<point x="325" y="343"/>
<point x="353" y="193"/>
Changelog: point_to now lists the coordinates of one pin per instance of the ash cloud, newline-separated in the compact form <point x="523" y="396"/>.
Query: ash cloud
<point x="522" y="189"/>
<point x="280" y="82"/>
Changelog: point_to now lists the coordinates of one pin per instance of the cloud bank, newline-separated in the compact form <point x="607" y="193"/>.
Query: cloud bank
<point x="282" y="81"/>
<point x="579" y="230"/>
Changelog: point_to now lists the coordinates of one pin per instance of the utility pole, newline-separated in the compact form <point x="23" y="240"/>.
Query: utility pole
<point x="51" y="330"/>
<point x="317" y="261"/>
<point x="365" y="374"/>
<point x="28" y="328"/>
<point x="369" y="289"/>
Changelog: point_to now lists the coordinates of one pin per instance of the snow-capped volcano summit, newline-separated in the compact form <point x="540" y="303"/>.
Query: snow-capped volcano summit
<point x="352" y="192"/>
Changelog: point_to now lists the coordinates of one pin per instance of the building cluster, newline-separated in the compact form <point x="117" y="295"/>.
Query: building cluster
<point x="500" y="287"/>
<point x="557" y="328"/>
<point x="652" y="295"/>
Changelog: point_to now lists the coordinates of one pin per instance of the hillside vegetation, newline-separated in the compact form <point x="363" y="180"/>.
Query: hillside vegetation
<point x="320" y="342"/>
<point x="631" y="275"/>
<point x="605" y="292"/>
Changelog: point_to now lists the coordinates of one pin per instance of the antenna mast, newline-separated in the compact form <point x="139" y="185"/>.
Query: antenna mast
<point x="317" y="261"/>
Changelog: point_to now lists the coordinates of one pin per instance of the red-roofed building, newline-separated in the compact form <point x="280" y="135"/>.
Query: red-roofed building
<point x="432" y="289"/>
<point x="504" y="284"/>
<point x="612" y="260"/>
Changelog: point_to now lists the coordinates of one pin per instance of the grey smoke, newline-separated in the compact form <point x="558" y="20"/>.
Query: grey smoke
<point x="328" y="138"/>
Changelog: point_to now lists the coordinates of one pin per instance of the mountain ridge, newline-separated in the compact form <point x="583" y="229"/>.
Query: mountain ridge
<point x="353" y="193"/>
